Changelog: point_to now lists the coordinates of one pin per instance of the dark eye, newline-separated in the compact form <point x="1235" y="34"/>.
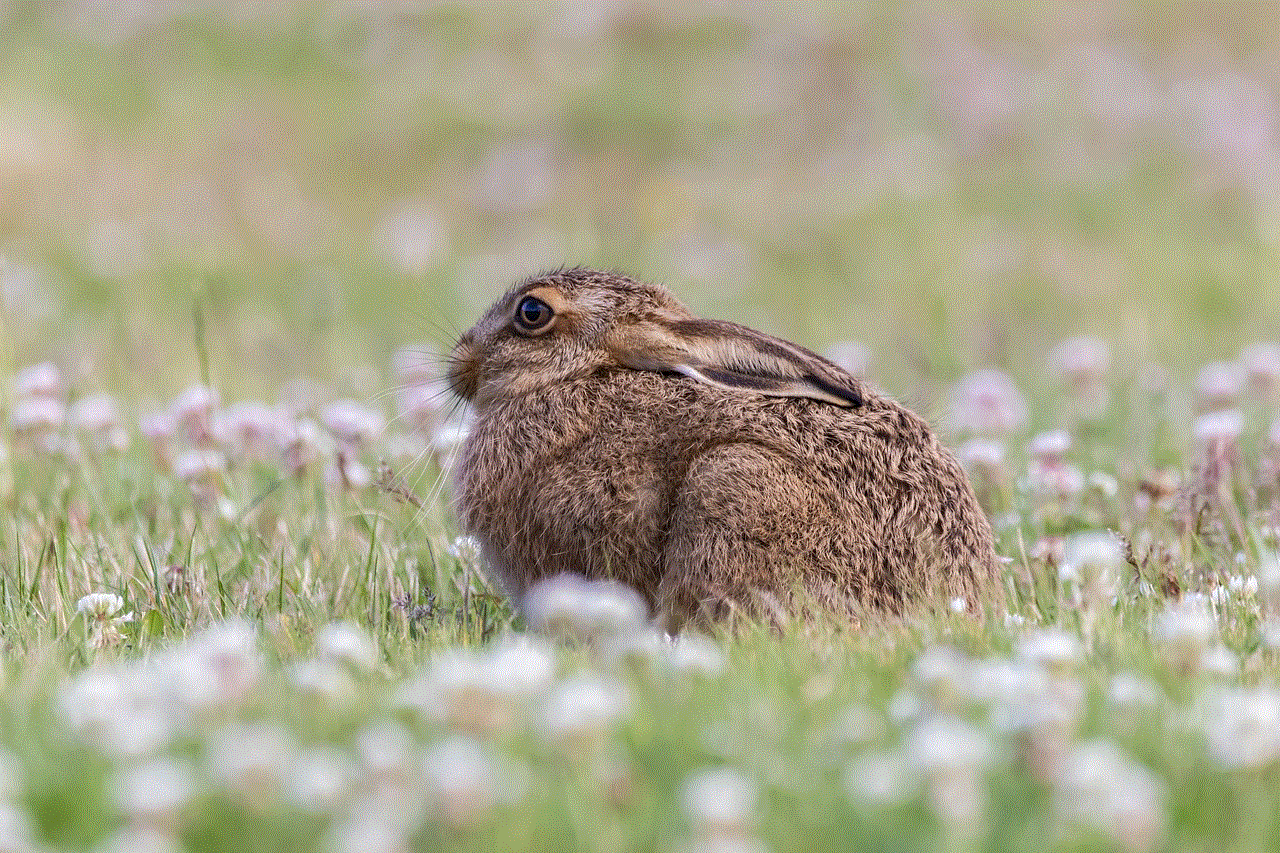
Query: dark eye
<point x="533" y="315"/>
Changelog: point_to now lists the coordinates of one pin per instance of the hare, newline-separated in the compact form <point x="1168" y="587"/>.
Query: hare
<point x="710" y="466"/>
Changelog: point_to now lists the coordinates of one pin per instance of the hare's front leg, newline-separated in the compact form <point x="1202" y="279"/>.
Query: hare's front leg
<point x="734" y="524"/>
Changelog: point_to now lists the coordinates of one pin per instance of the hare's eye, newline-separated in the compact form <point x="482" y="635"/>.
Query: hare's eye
<point x="533" y="315"/>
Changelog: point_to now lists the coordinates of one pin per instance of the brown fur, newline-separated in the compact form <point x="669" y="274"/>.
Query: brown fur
<point x="702" y="496"/>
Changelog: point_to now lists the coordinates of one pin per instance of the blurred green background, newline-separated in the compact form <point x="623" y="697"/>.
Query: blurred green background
<point x="956" y="185"/>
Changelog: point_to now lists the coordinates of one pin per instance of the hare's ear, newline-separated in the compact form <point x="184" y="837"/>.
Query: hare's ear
<point x="732" y="356"/>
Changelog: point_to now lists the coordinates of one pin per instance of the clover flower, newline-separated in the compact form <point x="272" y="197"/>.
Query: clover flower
<point x="986" y="402"/>
<point x="1100" y="787"/>
<point x="347" y="643"/>
<point x="719" y="801"/>
<point x="102" y="611"/>
<point x="584" y="708"/>
<point x="1241" y="726"/>
<point x="1219" y="385"/>
<point x="461" y="779"/>
<point x="573" y="608"/>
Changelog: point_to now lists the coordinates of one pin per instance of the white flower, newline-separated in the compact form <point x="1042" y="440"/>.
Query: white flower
<point x="102" y="610"/>
<point x="1185" y="630"/>
<point x="251" y="761"/>
<point x="719" y="800"/>
<point x="155" y="791"/>
<point x="943" y="743"/>
<point x="1099" y="787"/>
<point x="572" y="607"/>
<point x="1219" y="384"/>
<point x="348" y="643"/>
<point x="881" y="779"/>
<point x="1096" y="561"/>
<point x="199" y="465"/>
<point x="37" y="414"/>
<point x="1132" y="691"/>
<point x="1242" y="726"/>
<point x="100" y="605"/>
<point x="482" y="691"/>
<point x="1051" y="647"/>
<point x="461" y="779"/>
<point x="585" y="707"/>
<point x="1080" y="361"/>
<point x="1221" y="661"/>
<point x="1222" y="427"/>
<point x="982" y="454"/>
<point x="1261" y="362"/>
<point x="325" y="680"/>
<point x="986" y="402"/>
<point x="320" y="779"/>
<point x="695" y="653"/>
<point x="1050" y="446"/>
<point x="38" y="380"/>
<point x="352" y="422"/>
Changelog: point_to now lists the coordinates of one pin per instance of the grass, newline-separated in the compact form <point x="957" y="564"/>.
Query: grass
<point x="273" y="202"/>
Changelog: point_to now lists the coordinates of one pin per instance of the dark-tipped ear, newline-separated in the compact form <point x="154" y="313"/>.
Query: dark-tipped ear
<point x="731" y="356"/>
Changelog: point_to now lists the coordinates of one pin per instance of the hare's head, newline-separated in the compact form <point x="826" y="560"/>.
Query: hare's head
<point x="572" y="323"/>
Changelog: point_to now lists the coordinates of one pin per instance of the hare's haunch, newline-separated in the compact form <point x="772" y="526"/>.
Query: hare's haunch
<point x="707" y="464"/>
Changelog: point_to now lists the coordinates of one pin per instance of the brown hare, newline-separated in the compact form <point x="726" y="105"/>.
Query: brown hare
<point x="708" y="465"/>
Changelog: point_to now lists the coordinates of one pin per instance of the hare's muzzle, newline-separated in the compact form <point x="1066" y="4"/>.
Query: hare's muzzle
<point x="464" y="368"/>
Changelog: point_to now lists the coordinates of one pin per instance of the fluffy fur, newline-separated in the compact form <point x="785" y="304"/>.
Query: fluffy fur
<point x="706" y="464"/>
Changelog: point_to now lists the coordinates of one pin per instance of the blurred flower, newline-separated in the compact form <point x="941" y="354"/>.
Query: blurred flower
<point x="197" y="466"/>
<point x="99" y="416"/>
<point x="953" y="757"/>
<point x="1261" y="363"/>
<point x="1269" y="581"/>
<point x="1219" y="385"/>
<point x="37" y="414"/>
<point x="325" y="680"/>
<point x="1220" y="661"/>
<point x="250" y="429"/>
<point x="572" y="607"/>
<point x="192" y="412"/>
<point x="1095" y="561"/>
<point x="1129" y="691"/>
<point x="719" y="801"/>
<point x="1185" y="629"/>
<point x="389" y="757"/>
<point x="881" y="779"/>
<point x="986" y="402"/>
<point x="1049" y="447"/>
<point x="320" y="779"/>
<point x="38" y="380"/>
<point x="1241" y="726"/>
<point x="1051" y="647"/>
<point x="348" y="643"/>
<point x="218" y="668"/>
<point x="351" y="422"/>
<point x="300" y="443"/>
<point x="461" y="779"/>
<point x="982" y="455"/>
<point x="1081" y="364"/>
<point x="251" y="761"/>
<point x="482" y="691"/>
<point x="1101" y="788"/>
<point x="16" y="830"/>
<point x="1082" y="361"/>
<point x="584" y="707"/>
<point x="694" y="653"/>
<point x="154" y="792"/>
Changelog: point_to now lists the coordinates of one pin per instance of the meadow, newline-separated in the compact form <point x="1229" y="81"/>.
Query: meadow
<point x="235" y="242"/>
